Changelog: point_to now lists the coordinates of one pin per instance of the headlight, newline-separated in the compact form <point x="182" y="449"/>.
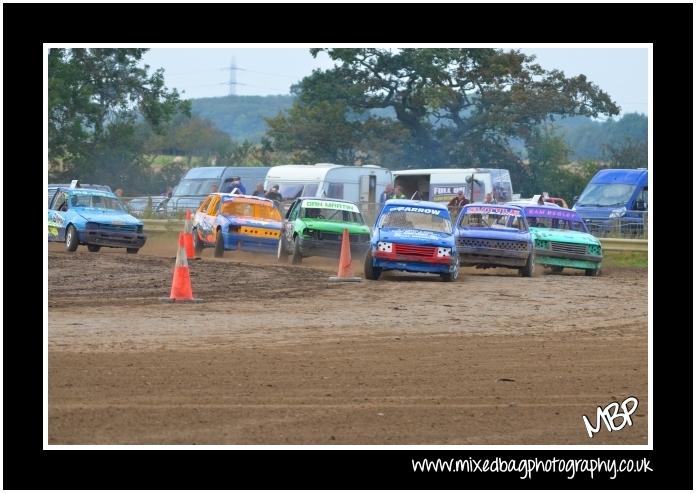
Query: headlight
<point x="140" y="228"/>
<point x="310" y="232"/>
<point x="233" y="229"/>
<point x="91" y="225"/>
<point x="444" y="252"/>
<point x="383" y="246"/>
<point x="541" y="244"/>
<point x="618" y="212"/>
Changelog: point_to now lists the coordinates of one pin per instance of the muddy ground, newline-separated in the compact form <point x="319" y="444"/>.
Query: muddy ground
<point x="277" y="355"/>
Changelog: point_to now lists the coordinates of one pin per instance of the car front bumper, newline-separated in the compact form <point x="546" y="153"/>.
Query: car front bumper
<point x="411" y="263"/>
<point x="112" y="238"/>
<point x="330" y="248"/>
<point x="545" y="256"/>
<point x="494" y="257"/>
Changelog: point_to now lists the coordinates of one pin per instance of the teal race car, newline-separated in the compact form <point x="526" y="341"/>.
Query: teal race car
<point x="561" y="240"/>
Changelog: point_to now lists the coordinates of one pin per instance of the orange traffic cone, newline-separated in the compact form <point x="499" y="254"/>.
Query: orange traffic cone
<point x="188" y="235"/>
<point x="345" y="268"/>
<point x="181" y="282"/>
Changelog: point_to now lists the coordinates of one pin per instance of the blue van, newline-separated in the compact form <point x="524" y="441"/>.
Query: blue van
<point x="200" y="182"/>
<point x="615" y="199"/>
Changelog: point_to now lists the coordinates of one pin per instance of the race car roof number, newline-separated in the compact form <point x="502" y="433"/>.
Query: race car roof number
<point x="327" y="204"/>
<point x="422" y="210"/>
<point x="492" y="210"/>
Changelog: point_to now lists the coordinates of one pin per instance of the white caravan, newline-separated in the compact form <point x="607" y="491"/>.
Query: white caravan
<point x="443" y="184"/>
<point x="359" y="184"/>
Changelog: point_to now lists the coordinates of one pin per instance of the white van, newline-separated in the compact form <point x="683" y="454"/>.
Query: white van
<point x="359" y="184"/>
<point x="443" y="184"/>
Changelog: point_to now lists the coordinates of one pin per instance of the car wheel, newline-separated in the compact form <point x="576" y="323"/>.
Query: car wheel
<point x="132" y="250"/>
<point x="197" y="244"/>
<point x="282" y="251"/>
<point x="592" y="272"/>
<point x="528" y="269"/>
<point x="556" y="269"/>
<point x="296" y="255"/>
<point x="451" y="276"/>
<point x="371" y="272"/>
<point x="219" y="244"/>
<point x="71" y="241"/>
<point x="93" y="248"/>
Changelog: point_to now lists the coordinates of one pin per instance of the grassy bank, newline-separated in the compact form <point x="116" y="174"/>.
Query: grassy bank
<point x="633" y="260"/>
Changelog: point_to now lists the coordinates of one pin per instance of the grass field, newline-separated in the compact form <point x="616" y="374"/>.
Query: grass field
<point x="634" y="260"/>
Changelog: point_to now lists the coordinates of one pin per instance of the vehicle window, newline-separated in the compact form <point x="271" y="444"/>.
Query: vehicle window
<point x="415" y="220"/>
<point x="606" y="194"/>
<point x="293" y="213"/>
<point x="336" y="215"/>
<point x="335" y="191"/>
<point x="60" y="202"/>
<point x="195" y="187"/>
<point x="204" y="205"/>
<point x="555" y="223"/>
<point x="213" y="207"/>
<point x="474" y="217"/>
<point x="291" y="191"/>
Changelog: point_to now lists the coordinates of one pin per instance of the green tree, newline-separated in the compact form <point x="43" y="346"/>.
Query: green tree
<point x="96" y="99"/>
<point x="548" y="170"/>
<point x="628" y="154"/>
<point x="459" y="106"/>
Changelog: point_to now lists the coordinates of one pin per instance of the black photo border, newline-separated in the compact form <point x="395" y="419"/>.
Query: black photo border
<point x="27" y="26"/>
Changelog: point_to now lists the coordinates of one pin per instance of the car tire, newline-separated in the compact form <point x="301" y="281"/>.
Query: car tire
<point x="451" y="276"/>
<point x="197" y="244"/>
<point x="282" y="253"/>
<point x="219" y="244"/>
<point x="592" y="272"/>
<point x="556" y="269"/>
<point x="93" y="248"/>
<point x="528" y="269"/>
<point x="71" y="241"/>
<point x="296" y="255"/>
<point x="371" y="272"/>
<point x="132" y="250"/>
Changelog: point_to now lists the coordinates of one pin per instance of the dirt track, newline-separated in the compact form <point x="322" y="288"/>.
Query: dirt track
<point x="277" y="355"/>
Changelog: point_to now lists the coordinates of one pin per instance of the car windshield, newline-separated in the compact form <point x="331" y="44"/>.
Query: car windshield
<point x="492" y="217"/>
<point x="291" y="191"/>
<point x="332" y="215"/>
<point x="606" y="194"/>
<point x="196" y="187"/>
<point x="96" y="202"/>
<point x="415" y="220"/>
<point x="246" y="209"/>
<point x="556" y="223"/>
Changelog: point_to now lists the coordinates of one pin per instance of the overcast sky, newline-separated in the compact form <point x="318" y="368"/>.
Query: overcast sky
<point x="205" y="72"/>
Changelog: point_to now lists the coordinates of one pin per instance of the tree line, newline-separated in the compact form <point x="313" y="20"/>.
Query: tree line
<point x="110" y="119"/>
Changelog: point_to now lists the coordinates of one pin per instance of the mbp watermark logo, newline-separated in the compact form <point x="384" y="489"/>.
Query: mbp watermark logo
<point x="610" y="414"/>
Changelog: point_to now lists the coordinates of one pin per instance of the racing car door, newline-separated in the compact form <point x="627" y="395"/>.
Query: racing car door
<point x="200" y="219"/>
<point x="289" y="223"/>
<point x="57" y="210"/>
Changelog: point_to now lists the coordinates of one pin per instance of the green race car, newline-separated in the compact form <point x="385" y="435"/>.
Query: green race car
<point x="561" y="239"/>
<point x="314" y="227"/>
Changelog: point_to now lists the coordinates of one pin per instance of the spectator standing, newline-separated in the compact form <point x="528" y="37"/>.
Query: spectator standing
<point x="387" y="194"/>
<point x="259" y="192"/>
<point x="274" y="194"/>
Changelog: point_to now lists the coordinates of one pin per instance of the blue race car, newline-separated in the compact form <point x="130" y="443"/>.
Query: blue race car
<point x="236" y="222"/>
<point x="495" y="236"/>
<point x="92" y="217"/>
<point x="413" y="236"/>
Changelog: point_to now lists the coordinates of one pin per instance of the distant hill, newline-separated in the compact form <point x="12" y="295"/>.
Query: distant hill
<point x="243" y="118"/>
